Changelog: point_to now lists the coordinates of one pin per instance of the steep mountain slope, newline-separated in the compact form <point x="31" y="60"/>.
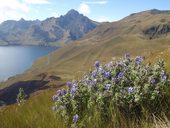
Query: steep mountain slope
<point x="52" y="31"/>
<point x="149" y="24"/>
<point x="104" y="43"/>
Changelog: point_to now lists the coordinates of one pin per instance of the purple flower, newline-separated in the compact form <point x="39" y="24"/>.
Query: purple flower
<point x="120" y="75"/>
<point x="68" y="84"/>
<point x="107" y="74"/>
<point x="127" y="55"/>
<point x="100" y="69"/>
<point x="73" y="89"/>
<point x="59" y="93"/>
<point x="130" y="60"/>
<point x="94" y="81"/>
<point x="108" y="87"/>
<point x="94" y="74"/>
<point x="143" y="57"/>
<point x="63" y="92"/>
<point x="113" y="79"/>
<point x="163" y="76"/>
<point x="88" y="81"/>
<point x="97" y="64"/>
<point x="152" y="81"/>
<point x="75" y="118"/>
<point x="138" y="61"/>
<point x="54" y="109"/>
<point x="162" y="73"/>
<point x="74" y="83"/>
<point x="130" y="89"/>
<point x="55" y="98"/>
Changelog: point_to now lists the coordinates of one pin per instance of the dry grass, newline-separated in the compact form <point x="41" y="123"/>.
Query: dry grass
<point x="162" y="123"/>
<point x="35" y="113"/>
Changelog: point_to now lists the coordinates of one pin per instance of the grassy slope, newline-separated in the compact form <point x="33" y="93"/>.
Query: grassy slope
<point x="37" y="110"/>
<point x="72" y="60"/>
<point x="104" y="43"/>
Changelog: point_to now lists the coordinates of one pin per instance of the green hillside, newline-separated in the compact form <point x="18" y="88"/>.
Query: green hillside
<point x="145" y="34"/>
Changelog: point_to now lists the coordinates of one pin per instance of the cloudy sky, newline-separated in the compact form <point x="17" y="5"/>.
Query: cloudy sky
<point x="99" y="10"/>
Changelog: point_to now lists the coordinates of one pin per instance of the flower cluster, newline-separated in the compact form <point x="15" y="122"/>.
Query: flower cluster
<point x="128" y="84"/>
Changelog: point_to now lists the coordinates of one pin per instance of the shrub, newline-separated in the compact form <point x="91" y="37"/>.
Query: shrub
<point x="21" y="96"/>
<point x="127" y="88"/>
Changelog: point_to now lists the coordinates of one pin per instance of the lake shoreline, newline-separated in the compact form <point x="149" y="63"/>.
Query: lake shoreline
<point x="22" y="58"/>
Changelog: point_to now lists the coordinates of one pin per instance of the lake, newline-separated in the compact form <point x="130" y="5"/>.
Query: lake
<point x="16" y="59"/>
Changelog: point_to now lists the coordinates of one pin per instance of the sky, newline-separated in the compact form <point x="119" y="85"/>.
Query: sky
<point x="98" y="10"/>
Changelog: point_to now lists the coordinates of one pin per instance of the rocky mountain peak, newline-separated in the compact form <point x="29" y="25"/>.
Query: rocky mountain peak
<point x="22" y="19"/>
<point x="71" y="15"/>
<point x="65" y="29"/>
<point x="72" y="12"/>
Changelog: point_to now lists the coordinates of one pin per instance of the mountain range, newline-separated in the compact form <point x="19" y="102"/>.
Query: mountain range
<point x="52" y="31"/>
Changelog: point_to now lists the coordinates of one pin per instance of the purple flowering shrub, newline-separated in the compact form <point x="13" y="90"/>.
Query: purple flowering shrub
<point x="128" y="85"/>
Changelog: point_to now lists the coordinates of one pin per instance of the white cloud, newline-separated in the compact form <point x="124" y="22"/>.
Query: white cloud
<point x="37" y="1"/>
<point x="96" y="2"/>
<point x="14" y="5"/>
<point x="12" y="9"/>
<point x="84" y="8"/>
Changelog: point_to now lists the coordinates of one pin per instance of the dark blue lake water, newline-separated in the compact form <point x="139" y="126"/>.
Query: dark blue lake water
<point x="16" y="59"/>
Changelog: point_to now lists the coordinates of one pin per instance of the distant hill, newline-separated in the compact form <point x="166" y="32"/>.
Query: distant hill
<point x="150" y="24"/>
<point x="52" y="31"/>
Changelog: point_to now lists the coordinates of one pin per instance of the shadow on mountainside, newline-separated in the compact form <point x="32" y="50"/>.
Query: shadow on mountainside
<point x="44" y="81"/>
<point x="8" y="95"/>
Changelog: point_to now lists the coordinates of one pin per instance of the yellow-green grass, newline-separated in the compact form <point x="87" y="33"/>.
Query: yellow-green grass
<point x="37" y="111"/>
<point x="161" y="123"/>
<point x="34" y="113"/>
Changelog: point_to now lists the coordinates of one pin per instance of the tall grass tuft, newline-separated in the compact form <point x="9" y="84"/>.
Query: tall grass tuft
<point x="161" y="122"/>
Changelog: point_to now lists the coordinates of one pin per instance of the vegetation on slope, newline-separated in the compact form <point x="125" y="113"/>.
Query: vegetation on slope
<point x="132" y="109"/>
<point x="123" y="90"/>
<point x="107" y="41"/>
<point x="35" y="113"/>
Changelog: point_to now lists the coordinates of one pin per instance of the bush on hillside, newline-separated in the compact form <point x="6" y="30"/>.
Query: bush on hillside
<point x="21" y="96"/>
<point x="127" y="88"/>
